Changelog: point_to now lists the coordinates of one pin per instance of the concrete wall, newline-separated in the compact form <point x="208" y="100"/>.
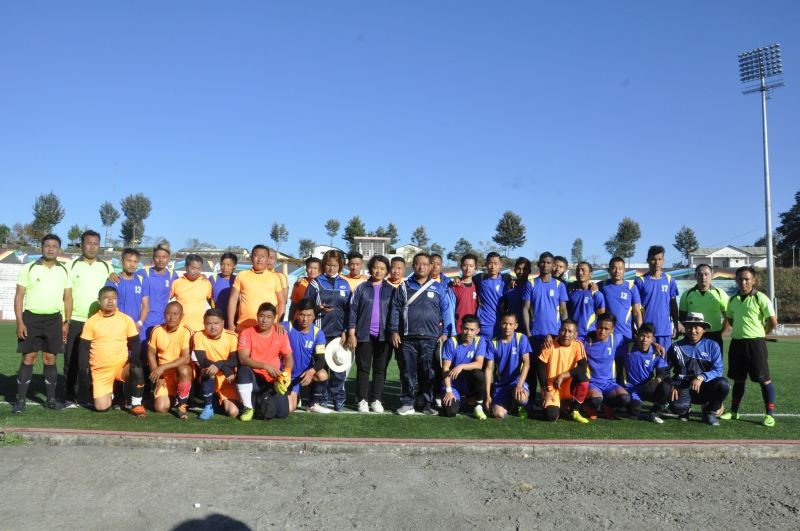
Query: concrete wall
<point x="8" y="286"/>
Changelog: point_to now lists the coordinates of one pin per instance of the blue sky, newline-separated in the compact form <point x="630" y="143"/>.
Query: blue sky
<point x="230" y="116"/>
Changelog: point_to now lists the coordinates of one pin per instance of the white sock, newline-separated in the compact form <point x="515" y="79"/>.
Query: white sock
<point x="136" y="401"/>
<point x="246" y="394"/>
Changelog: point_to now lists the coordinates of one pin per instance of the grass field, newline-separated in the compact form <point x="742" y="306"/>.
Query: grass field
<point x="784" y="365"/>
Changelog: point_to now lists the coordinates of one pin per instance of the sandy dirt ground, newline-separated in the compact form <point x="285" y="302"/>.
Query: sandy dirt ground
<point x="121" y="488"/>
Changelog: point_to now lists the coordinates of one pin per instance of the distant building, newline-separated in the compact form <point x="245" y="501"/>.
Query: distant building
<point x="369" y="246"/>
<point x="320" y="250"/>
<point x="408" y="251"/>
<point x="729" y="256"/>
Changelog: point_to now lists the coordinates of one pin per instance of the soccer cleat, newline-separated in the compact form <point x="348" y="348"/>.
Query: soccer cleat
<point x="207" y="413"/>
<point x="71" y="404"/>
<point x="138" y="411"/>
<point x="710" y="418"/>
<point x="522" y="412"/>
<point x="653" y="417"/>
<point x="19" y="406"/>
<point x="247" y="414"/>
<point x="377" y="407"/>
<point x="319" y="408"/>
<point x="183" y="411"/>
<point x="363" y="407"/>
<point x="577" y="417"/>
<point x="406" y="409"/>
<point x="769" y="421"/>
<point x="338" y="407"/>
<point x="478" y="412"/>
<point x="430" y="410"/>
<point x="730" y="415"/>
<point x="54" y="404"/>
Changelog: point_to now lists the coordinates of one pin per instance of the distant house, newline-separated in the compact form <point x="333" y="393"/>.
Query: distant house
<point x="408" y="251"/>
<point x="369" y="246"/>
<point x="320" y="250"/>
<point x="729" y="256"/>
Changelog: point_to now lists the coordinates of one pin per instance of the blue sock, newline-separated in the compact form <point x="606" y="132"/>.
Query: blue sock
<point x="768" y="394"/>
<point x="207" y="386"/>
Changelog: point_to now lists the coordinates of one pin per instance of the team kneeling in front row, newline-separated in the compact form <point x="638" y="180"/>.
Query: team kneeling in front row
<point x="268" y="364"/>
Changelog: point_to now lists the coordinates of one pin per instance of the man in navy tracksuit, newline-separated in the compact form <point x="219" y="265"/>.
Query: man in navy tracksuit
<point x="417" y="322"/>
<point x="696" y="365"/>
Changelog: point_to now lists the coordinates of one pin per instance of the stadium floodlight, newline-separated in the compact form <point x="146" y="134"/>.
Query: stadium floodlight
<point x="758" y="65"/>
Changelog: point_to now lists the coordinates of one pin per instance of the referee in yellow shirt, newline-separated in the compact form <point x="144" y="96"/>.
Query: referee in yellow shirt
<point x="44" y="290"/>
<point x="707" y="299"/>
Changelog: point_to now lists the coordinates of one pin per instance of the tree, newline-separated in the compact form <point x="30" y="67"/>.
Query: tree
<point x="5" y="232"/>
<point x="74" y="233"/>
<point x="789" y="231"/>
<point x="420" y="238"/>
<point x="685" y="242"/>
<point x="510" y="232"/>
<point x="623" y="242"/>
<point x="462" y="247"/>
<point x="279" y="233"/>
<point x="306" y="248"/>
<point x="47" y="213"/>
<point x="355" y="227"/>
<point x="332" y="228"/>
<point x="108" y="216"/>
<point x="437" y="249"/>
<point x="136" y="208"/>
<point x="22" y="234"/>
<point x="577" y="250"/>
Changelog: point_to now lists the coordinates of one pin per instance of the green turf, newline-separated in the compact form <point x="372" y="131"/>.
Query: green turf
<point x="783" y="364"/>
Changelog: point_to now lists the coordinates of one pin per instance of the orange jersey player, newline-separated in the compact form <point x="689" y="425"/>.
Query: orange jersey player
<point x="252" y="288"/>
<point x="110" y="341"/>
<point x="562" y="373"/>
<point x="168" y="357"/>
<point x="214" y="351"/>
<point x="193" y="291"/>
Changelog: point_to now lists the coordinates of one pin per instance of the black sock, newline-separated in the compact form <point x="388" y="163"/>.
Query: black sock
<point x="736" y="396"/>
<point x="23" y="380"/>
<point x="594" y="402"/>
<point x="768" y="394"/>
<point x="50" y="379"/>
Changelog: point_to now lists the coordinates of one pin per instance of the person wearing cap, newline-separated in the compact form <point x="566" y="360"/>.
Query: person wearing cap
<point x="752" y="317"/>
<point x="696" y="365"/>
<point x="709" y="300"/>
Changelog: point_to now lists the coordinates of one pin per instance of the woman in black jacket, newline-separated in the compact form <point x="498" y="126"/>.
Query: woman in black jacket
<point x="369" y="312"/>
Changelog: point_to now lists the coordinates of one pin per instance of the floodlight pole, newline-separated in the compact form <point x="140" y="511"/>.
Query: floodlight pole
<point x="767" y="196"/>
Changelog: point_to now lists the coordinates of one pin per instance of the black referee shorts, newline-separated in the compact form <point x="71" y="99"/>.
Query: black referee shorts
<point x="748" y="357"/>
<point x="44" y="334"/>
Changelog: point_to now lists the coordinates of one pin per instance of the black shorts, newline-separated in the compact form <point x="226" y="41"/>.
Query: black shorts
<point x="44" y="334"/>
<point x="748" y="357"/>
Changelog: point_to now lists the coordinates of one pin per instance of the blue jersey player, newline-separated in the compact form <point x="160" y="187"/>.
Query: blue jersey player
<point x="659" y="294"/>
<point x="584" y="304"/>
<point x="646" y="376"/>
<point x="308" y="353"/>
<point x="508" y="361"/>
<point x="489" y="287"/>
<point x="603" y="388"/>
<point x="462" y="367"/>
<point x="623" y="302"/>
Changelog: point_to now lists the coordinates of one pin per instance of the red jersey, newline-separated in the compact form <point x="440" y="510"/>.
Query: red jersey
<point x="466" y="301"/>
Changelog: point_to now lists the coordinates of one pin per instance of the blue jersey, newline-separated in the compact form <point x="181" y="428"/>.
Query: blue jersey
<point x="620" y="299"/>
<point x="600" y="356"/>
<point x="130" y="296"/>
<point x="545" y="298"/>
<point x="656" y="294"/>
<point x="640" y="367"/>
<point x="513" y="298"/>
<point x="459" y="354"/>
<point x="583" y="306"/>
<point x="304" y="346"/>
<point x="687" y="360"/>
<point x="507" y="357"/>
<point x="156" y="287"/>
<point x="221" y="291"/>
<point x="489" y="291"/>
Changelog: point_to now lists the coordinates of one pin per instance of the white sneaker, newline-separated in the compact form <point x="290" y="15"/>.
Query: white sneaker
<point x="407" y="409"/>
<point x="377" y="407"/>
<point x="363" y="407"/>
<point x="319" y="408"/>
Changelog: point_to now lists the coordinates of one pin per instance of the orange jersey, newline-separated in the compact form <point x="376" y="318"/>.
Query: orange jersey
<point x="271" y="349"/>
<point x="193" y="296"/>
<point x="282" y="279"/>
<point x="299" y="290"/>
<point x="108" y="337"/>
<point x="393" y="283"/>
<point x="254" y="290"/>
<point x="354" y="282"/>
<point x="218" y="349"/>
<point x="169" y="345"/>
<point x="562" y="359"/>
